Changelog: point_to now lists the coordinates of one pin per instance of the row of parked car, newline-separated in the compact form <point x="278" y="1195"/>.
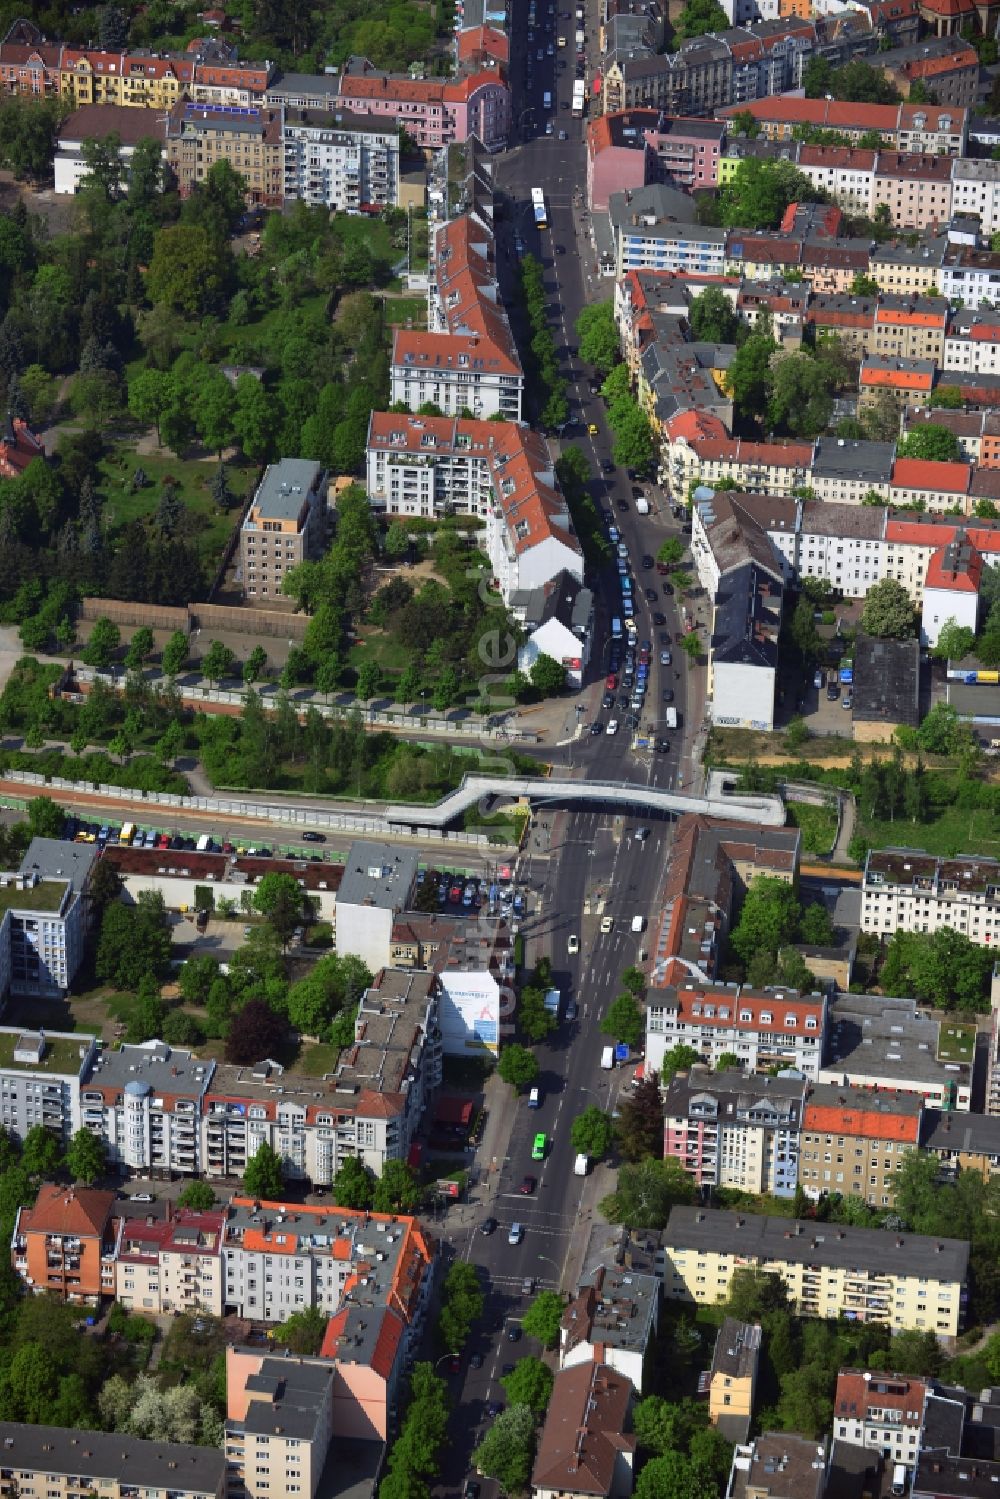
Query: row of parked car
<point x="472" y="892"/>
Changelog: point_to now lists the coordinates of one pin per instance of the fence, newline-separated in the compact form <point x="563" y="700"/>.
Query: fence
<point x="233" y="617"/>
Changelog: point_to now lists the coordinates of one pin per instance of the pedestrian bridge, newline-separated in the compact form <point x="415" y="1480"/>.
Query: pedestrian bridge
<point x="635" y="796"/>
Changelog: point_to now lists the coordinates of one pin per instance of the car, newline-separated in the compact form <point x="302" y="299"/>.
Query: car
<point x="311" y="837"/>
<point x="607" y="467"/>
<point x="668" y="694"/>
<point x="455" y="894"/>
<point x="659" y="618"/>
<point x="662" y="568"/>
<point x="614" y="534"/>
<point x="596" y="728"/>
<point x="633" y="720"/>
<point x="475" y="1361"/>
<point x="516" y="1233"/>
<point x="455" y="1365"/>
<point x="665" y="638"/>
<point x="471" y="1490"/>
<point x="663" y="746"/>
<point x="607" y="701"/>
<point x="647" y="562"/>
<point x="832" y="692"/>
<point x="494" y="1408"/>
<point x="847" y="701"/>
<point x="571" y="1009"/>
<point x="651" y="595"/>
<point x="612" y="681"/>
<point x="487" y="1227"/>
<point x="819" y="679"/>
<point x="612" y="727"/>
<point x="540" y="54"/>
<point x="561" y="42"/>
<point x="622" y="551"/>
<point x="666" y="658"/>
<point x="514" y="1333"/>
<point x="622" y="505"/>
<point x="607" y="924"/>
<point x="560" y="249"/>
<point x="549" y="127"/>
<point x="550" y="50"/>
<point x="142" y="1197"/>
<point x="527" y="1187"/>
<point x="573" y="944"/>
<point x="507" y="1369"/>
<point x="592" y="428"/>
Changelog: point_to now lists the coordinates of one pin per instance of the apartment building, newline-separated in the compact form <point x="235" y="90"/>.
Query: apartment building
<point x="41" y="1073"/>
<point x="874" y="1041"/>
<point x="220" y="78"/>
<point x="250" y="139"/>
<point x="146" y="1102"/>
<point x="916" y="188"/>
<point x="970" y="275"/>
<point x="847" y="173"/>
<point x="611" y="1320"/>
<point x="975" y="192"/>
<point x="973" y="342"/>
<point x="901" y="1280"/>
<point x="585" y="1448"/>
<point x="854" y="1141"/>
<point x="845" y="470"/>
<point x="768" y="1027"/>
<point x="841" y="542"/>
<point x="965" y="1142"/>
<point x="881" y="1411"/>
<point x="283" y="525"/>
<point x="779" y="1466"/>
<point x="766" y="467"/>
<point x="951" y="589"/>
<point x="340" y="161"/>
<point x="910" y="381"/>
<point x="729" y="1129"/>
<point x="909" y="268"/>
<point x="732" y="1378"/>
<point x="935" y="486"/>
<point x="279" y="1423"/>
<point x="968" y="427"/>
<point x="97" y="122"/>
<point x="58" y="1462"/>
<point x="164" y="1266"/>
<point x="926" y="129"/>
<point x="910" y="327"/>
<point x="65" y="1245"/>
<point x="29" y="68"/>
<point x="44" y="918"/>
<point x="500" y="471"/>
<point x="280" y="1258"/>
<point x="436" y="112"/>
<point x="908" y="890"/>
<point x="652" y="231"/>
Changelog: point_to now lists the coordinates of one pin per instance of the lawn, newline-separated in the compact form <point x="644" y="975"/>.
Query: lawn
<point x="948" y="831"/>
<point x="365" y="231"/>
<point x="210" y="527"/>
<point x="317" y="1059"/>
<point x="400" y="309"/>
<point x="818" y="824"/>
<point x="388" y="654"/>
<point x="957" y="1043"/>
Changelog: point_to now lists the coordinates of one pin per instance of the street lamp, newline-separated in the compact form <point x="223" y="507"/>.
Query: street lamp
<point x="444" y="1356"/>
<point x="556" y="1268"/>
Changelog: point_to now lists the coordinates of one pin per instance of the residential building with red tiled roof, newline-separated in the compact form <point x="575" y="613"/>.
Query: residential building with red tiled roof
<point x="64" y="1244"/>
<point x="934" y="485"/>
<point x="585" y="1447"/>
<point x="97" y="122"/>
<point x="899" y="20"/>
<point x="915" y="188"/>
<point x="847" y="173"/>
<point x="855" y="1140"/>
<point x="881" y="1411"/>
<point x="250" y="138"/>
<point x="500" y="471"/>
<point x="951" y="589"/>
<point x="18" y="447"/>
<point x="31" y="69"/>
<point x="735" y="1129"/>
<point x="434" y="111"/>
<point x="909" y="380"/>
<point x="173" y="1264"/>
<point x="479" y="45"/>
<point x="904" y="127"/>
<point x="762" y="1027"/>
<point x="767" y="467"/>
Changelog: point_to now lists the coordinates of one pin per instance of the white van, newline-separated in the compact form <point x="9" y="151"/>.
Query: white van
<point x="638" y="923"/>
<point x="516" y="1233"/>
<point x="899" y="1478"/>
<point x="534" y="1099"/>
<point x="608" y="1058"/>
<point x="204" y="843"/>
<point x="581" y="1165"/>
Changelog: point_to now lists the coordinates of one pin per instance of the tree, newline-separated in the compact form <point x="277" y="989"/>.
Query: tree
<point x="768" y="920"/>
<point x="218" y="662"/>
<point x="518" y="1066"/>
<point x="665" y="1427"/>
<point x="262" y="1177"/>
<point x="713" y="318"/>
<point x="888" y="611"/>
<point x="105" y="639"/>
<point x="815" y="925"/>
<point x="599" y="343"/>
<point x="397" y="1189"/>
<point x="623" y="1021"/>
<point x="697" y="18"/>
<point x="462" y="1303"/>
<point x="801" y="399"/>
<point x="646" y="1193"/>
<point x="280" y="899"/>
<point x="354" y="1185"/>
<point x="303" y="1332"/>
<point x="508" y="1448"/>
<point x="134" y="942"/>
<point x="150" y="393"/>
<point x="954" y="641"/>
<point x="535" y="1021"/>
<point x="197" y="1197"/>
<point x="543" y="1318"/>
<point x="754" y="1293"/>
<point x="930" y="441"/>
<point x="592" y="1133"/>
<point x="671" y="552"/>
<point x="369" y="679"/>
<point x="140" y="648"/>
<point x="640" y="1119"/>
<point x="759" y="191"/>
<point x="728" y="1062"/>
<point x="175" y="654"/>
<point x="679" y="1058"/>
<point x="41" y="1153"/>
<point x="749" y="377"/>
<point x="548" y="675"/>
<point x="187" y="272"/>
<point x="634" y="445"/>
<point x="45" y="817"/>
<point x="257" y="1034"/>
<point x="86" y="1157"/>
<point x="529" y="1383"/>
<point x="254" y="418"/>
<point x="255" y="665"/>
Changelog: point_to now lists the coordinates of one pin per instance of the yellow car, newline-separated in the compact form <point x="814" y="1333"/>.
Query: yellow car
<point x="561" y="42"/>
<point x="592" y="428"/>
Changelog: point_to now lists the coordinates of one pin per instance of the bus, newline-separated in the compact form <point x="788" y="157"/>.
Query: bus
<point x="538" y="205"/>
<point x="579" y="97"/>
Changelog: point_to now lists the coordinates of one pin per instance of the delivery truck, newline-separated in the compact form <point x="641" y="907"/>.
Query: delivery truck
<point x="581" y="1165"/>
<point x="608" y="1058"/>
<point x="670" y="717"/>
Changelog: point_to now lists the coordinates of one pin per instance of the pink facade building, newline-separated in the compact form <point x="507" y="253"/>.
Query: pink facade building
<point x="633" y="147"/>
<point x="434" y="111"/>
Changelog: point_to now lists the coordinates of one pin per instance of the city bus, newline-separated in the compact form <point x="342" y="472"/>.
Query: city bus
<point x="538" y="206"/>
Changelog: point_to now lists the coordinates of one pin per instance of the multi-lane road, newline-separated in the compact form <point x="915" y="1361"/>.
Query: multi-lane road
<point x="593" y="864"/>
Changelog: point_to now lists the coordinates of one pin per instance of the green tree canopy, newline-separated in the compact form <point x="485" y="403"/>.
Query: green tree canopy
<point x="592" y="1133"/>
<point x="199" y="1196"/>
<point x="646" y="1192"/>
<point x="353" y="1185"/>
<point x="508" y="1448"/>
<point x="930" y="441"/>
<point x="518" y="1066"/>
<point x="954" y="641"/>
<point x="599" y="342"/>
<point x="888" y="611"/>
<point x="623" y="1020"/>
<point x="86" y="1157"/>
<point x="698" y="18"/>
<point x="759" y="191"/>
<point x="713" y="320"/>
<point x="543" y="1317"/>
<point x="529" y="1383"/>
<point x="262" y="1177"/>
<point x="769" y="918"/>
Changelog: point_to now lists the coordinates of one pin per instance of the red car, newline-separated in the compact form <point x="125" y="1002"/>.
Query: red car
<point x="527" y="1186"/>
<point x="612" y="681"/>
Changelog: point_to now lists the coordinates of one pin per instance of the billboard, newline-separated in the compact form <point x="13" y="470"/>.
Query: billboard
<point x="469" y="1012"/>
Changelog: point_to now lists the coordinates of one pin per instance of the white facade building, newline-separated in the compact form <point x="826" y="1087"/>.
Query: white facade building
<point x="340" y="161"/>
<point x="760" y="1027"/>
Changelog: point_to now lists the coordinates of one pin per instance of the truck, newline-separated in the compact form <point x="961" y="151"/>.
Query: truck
<point x="581" y="37"/>
<point x="641" y="505"/>
<point x="581" y="1165"/>
<point x="670" y="717"/>
<point x="608" y="1058"/>
<point x="579" y="97"/>
<point x="638" y="923"/>
<point x="553" y="1001"/>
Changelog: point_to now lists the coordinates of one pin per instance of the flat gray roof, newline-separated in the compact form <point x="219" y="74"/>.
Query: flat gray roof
<point x="834" y="1245"/>
<point x="974" y="1133"/>
<point x="377" y="874"/>
<point x="97" y="1456"/>
<point x="153" y="1067"/>
<point x="869" y="1035"/>
<point x="55" y="859"/>
<point x="854" y="459"/>
<point x="290" y="1398"/>
<point x="284" y="487"/>
<point x="886" y="679"/>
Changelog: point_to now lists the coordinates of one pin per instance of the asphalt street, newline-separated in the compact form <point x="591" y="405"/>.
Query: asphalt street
<point x="583" y="865"/>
